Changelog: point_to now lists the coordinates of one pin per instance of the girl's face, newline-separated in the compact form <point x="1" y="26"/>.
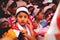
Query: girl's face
<point x="22" y="18"/>
<point x="35" y="24"/>
<point x="40" y="15"/>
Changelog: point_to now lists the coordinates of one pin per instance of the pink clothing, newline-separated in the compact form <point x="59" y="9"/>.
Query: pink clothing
<point x="11" y="20"/>
<point x="41" y="32"/>
<point x="44" y="30"/>
<point x="21" y="3"/>
<point x="31" y="18"/>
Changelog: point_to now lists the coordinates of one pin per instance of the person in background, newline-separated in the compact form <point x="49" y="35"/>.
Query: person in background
<point x="4" y="26"/>
<point x="31" y="9"/>
<point x="48" y="15"/>
<point x="2" y="12"/>
<point x="12" y="10"/>
<point x="56" y="2"/>
<point x="40" y="18"/>
<point x="54" y="7"/>
<point x="38" y="27"/>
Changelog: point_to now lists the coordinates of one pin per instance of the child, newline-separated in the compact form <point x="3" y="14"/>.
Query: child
<point x="38" y="28"/>
<point x="40" y="18"/>
<point x="23" y="25"/>
<point x="4" y="26"/>
<point x="48" y="15"/>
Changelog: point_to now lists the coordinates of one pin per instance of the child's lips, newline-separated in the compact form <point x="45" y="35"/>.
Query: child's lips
<point x="22" y="22"/>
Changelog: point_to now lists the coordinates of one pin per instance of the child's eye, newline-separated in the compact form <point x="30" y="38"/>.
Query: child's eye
<point x="20" y="16"/>
<point x="24" y="16"/>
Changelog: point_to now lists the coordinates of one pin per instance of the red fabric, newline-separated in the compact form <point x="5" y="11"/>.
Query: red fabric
<point x="35" y="33"/>
<point x="58" y="22"/>
<point x="15" y="27"/>
<point x="10" y="21"/>
<point x="57" y="36"/>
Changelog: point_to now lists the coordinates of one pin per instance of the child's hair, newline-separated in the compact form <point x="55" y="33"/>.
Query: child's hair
<point x="13" y="5"/>
<point x="3" y="30"/>
<point x="40" y="11"/>
<point x="46" y="13"/>
<point x="5" y="2"/>
<point x="1" y="1"/>
<point x="32" y="9"/>
<point x="2" y="20"/>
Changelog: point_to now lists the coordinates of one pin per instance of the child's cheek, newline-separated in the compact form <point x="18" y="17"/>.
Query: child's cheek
<point x="26" y="21"/>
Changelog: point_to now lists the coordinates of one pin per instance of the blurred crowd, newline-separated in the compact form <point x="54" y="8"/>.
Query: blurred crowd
<point x="40" y="14"/>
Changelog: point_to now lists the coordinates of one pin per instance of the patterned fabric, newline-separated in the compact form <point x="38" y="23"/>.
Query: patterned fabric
<point x="14" y="32"/>
<point x="11" y="20"/>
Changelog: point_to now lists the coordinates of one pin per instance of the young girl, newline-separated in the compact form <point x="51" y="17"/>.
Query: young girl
<point x="22" y="26"/>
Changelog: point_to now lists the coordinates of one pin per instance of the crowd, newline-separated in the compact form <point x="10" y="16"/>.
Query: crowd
<point x="25" y="19"/>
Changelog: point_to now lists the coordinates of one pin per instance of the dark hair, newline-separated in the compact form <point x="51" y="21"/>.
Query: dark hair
<point x="3" y="30"/>
<point x="32" y="9"/>
<point x="2" y="15"/>
<point x="41" y="5"/>
<point x="55" y="2"/>
<point x="21" y="36"/>
<point x="1" y="1"/>
<point x="15" y="0"/>
<point x="39" y="12"/>
<point x="13" y="5"/>
<point x="46" y="13"/>
<point x="5" y="2"/>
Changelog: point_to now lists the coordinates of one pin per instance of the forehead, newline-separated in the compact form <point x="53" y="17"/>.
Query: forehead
<point x="22" y="13"/>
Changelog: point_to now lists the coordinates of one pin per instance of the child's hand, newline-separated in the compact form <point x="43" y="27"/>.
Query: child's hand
<point x="29" y="24"/>
<point x="23" y="31"/>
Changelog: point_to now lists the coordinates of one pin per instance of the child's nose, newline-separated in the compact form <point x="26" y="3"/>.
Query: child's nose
<point x="23" y="18"/>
